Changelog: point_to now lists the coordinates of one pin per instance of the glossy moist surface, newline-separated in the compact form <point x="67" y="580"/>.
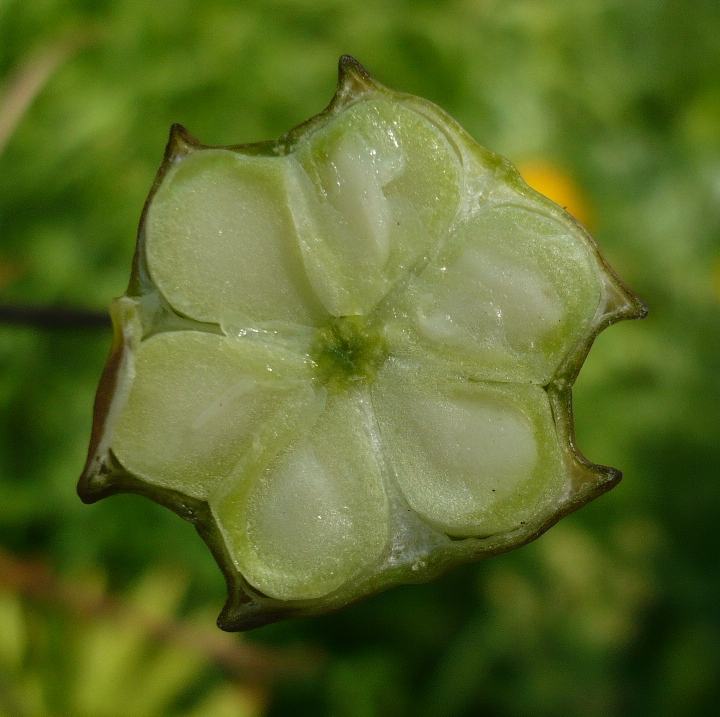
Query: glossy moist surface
<point x="349" y="345"/>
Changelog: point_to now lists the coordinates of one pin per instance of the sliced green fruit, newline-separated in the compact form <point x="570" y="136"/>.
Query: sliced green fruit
<point x="346" y="356"/>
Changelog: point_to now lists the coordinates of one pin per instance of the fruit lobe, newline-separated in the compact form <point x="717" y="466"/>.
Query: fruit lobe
<point x="346" y="355"/>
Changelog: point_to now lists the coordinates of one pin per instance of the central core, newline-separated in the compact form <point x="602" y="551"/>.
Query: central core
<point x="348" y="349"/>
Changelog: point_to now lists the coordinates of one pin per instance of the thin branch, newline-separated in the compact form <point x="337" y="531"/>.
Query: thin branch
<point x="30" y="77"/>
<point x="53" y="317"/>
<point x="21" y="88"/>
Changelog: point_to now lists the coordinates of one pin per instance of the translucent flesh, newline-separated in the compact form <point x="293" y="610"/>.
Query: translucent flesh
<point x="510" y="295"/>
<point x="371" y="191"/>
<point x="219" y="238"/>
<point x="474" y="459"/>
<point x="314" y="516"/>
<point x="383" y="335"/>
<point x="197" y="402"/>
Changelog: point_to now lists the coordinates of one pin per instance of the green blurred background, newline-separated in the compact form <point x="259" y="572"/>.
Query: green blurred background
<point x="107" y="610"/>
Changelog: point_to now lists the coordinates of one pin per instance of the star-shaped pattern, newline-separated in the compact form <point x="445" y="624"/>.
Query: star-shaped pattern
<point x="347" y="355"/>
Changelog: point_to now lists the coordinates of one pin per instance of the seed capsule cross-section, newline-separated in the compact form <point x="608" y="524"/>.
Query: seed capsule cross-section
<point x="346" y="355"/>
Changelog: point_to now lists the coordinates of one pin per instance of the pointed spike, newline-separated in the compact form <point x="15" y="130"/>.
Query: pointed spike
<point x="353" y="78"/>
<point x="180" y="143"/>
<point x="621" y="302"/>
<point x="589" y="479"/>
<point x="636" y="308"/>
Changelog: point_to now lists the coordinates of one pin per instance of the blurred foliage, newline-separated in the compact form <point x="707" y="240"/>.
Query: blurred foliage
<point x="614" y="611"/>
<point x="97" y="658"/>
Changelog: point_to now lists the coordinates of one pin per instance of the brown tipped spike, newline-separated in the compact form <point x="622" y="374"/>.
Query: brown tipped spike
<point x="637" y="308"/>
<point x="353" y="78"/>
<point x="180" y="143"/>
<point x="622" y="303"/>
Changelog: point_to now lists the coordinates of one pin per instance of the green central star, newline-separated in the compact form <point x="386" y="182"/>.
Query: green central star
<point x="348" y="350"/>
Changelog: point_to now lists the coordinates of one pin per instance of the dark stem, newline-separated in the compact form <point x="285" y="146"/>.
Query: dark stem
<point x="53" y="317"/>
